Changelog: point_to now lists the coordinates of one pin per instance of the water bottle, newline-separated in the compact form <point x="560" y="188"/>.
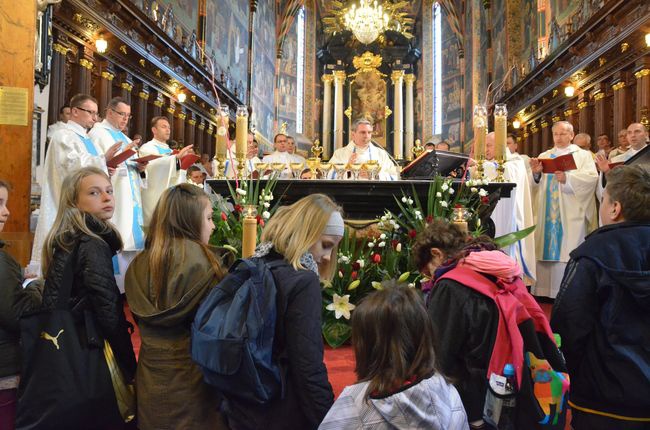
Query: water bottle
<point x="500" y="399"/>
<point x="508" y="407"/>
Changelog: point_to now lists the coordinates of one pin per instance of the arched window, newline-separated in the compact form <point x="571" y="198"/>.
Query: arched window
<point x="437" y="68"/>
<point x="300" y="66"/>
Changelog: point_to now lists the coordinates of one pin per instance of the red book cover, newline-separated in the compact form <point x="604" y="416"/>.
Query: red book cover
<point x="612" y="165"/>
<point x="188" y="160"/>
<point x="120" y="158"/>
<point x="562" y="163"/>
<point x="147" y="158"/>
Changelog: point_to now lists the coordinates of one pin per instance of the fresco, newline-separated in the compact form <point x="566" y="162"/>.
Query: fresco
<point x="499" y="41"/>
<point x="264" y="68"/>
<point x="227" y="43"/>
<point x="451" y="86"/>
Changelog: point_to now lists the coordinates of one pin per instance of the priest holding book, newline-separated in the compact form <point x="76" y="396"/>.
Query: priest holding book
<point x="566" y="208"/>
<point x="164" y="169"/>
<point x="127" y="182"/>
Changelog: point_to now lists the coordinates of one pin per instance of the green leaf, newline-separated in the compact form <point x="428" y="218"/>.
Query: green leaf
<point x="514" y="237"/>
<point x="336" y="333"/>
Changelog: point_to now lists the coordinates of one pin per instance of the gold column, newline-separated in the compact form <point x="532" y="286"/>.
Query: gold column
<point x="397" y="77"/>
<point x="327" y="114"/>
<point x="339" y="79"/>
<point x="409" y="135"/>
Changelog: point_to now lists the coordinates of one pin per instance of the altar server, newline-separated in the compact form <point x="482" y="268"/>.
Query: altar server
<point x="70" y="149"/>
<point x="516" y="212"/>
<point x="162" y="172"/>
<point x="566" y="208"/>
<point x="362" y="149"/>
<point x="64" y="117"/>
<point x="127" y="184"/>
<point x="280" y="155"/>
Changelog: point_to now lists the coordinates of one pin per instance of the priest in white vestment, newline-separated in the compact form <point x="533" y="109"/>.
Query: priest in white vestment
<point x="64" y="117"/>
<point x="291" y="145"/>
<point x="513" y="213"/>
<point x="251" y="158"/>
<point x="566" y="208"/>
<point x="362" y="149"/>
<point x="280" y="155"/>
<point x="127" y="184"/>
<point x="637" y="137"/>
<point x="164" y="171"/>
<point x="70" y="149"/>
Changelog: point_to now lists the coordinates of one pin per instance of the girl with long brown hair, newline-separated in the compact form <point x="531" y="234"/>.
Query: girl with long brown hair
<point x="164" y="287"/>
<point x="398" y="384"/>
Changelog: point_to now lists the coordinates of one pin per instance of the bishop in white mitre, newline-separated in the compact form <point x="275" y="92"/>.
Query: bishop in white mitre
<point x="127" y="184"/>
<point x="566" y="208"/>
<point x="514" y="213"/>
<point x="162" y="172"/>
<point x="361" y="149"/>
<point x="70" y="149"/>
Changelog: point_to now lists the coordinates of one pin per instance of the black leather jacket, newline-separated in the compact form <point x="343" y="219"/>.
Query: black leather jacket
<point x="94" y="289"/>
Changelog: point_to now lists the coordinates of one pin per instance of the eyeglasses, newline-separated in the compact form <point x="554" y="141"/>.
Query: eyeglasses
<point x="123" y="114"/>
<point x="92" y="113"/>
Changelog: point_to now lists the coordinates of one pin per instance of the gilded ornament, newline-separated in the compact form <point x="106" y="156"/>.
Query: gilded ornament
<point x="127" y="86"/>
<point x="143" y="95"/>
<point x="123" y="50"/>
<point x="641" y="73"/>
<point x="327" y="78"/>
<point x="86" y="64"/>
<point x="599" y="96"/>
<point x="583" y="104"/>
<point x="624" y="46"/>
<point x="348" y="112"/>
<point x="108" y="76"/>
<point x="617" y="86"/>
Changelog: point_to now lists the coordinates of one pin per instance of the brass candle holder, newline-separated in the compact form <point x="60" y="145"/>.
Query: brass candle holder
<point x="241" y="165"/>
<point x="221" y="167"/>
<point x="313" y="163"/>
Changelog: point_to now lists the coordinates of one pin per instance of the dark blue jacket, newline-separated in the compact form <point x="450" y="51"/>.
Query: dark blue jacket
<point x="602" y="313"/>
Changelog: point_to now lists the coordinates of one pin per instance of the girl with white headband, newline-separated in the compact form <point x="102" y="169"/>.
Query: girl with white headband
<point x="306" y="235"/>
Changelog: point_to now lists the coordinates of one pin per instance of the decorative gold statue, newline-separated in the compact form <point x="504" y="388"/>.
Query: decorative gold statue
<point x="316" y="149"/>
<point x="418" y="148"/>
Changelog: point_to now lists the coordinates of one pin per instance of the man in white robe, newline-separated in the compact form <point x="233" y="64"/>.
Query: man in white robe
<point x="64" y="117"/>
<point x="513" y="213"/>
<point x="636" y="137"/>
<point x="297" y="158"/>
<point x="162" y="172"/>
<point x="127" y="184"/>
<point x="280" y="155"/>
<point x="251" y="158"/>
<point x="70" y="149"/>
<point x="566" y="208"/>
<point x="362" y="149"/>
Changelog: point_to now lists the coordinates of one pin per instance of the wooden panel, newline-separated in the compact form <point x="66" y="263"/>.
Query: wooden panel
<point x="18" y="27"/>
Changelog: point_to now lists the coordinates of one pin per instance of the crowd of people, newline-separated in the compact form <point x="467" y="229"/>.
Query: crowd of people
<point x="424" y="359"/>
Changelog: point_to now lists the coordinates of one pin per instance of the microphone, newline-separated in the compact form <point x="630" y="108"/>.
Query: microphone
<point x="395" y="163"/>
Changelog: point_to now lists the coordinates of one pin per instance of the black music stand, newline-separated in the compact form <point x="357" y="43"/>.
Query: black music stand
<point x="433" y="162"/>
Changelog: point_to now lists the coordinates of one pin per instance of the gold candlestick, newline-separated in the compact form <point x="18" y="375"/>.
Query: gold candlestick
<point x="221" y="166"/>
<point x="222" y="132"/>
<point x="480" y="131"/>
<point x="500" y="136"/>
<point x="313" y="163"/>
<point x="241" y="138"/>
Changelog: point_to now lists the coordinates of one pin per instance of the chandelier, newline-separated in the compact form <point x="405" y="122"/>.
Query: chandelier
<point x="367" y="21"/>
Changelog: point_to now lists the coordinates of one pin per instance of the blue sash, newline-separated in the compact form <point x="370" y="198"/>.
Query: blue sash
<point x="134" y="183"/>
<point x="552" y="220"/>
<point x="90" y="147"/>
<point x="163" y="151"/>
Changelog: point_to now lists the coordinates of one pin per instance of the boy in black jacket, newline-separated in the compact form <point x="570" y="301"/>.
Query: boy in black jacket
<point x="603" y="310"/>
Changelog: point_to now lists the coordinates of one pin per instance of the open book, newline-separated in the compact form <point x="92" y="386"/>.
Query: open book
<point x="120" y="158"/>
<point x="562" y="163"/>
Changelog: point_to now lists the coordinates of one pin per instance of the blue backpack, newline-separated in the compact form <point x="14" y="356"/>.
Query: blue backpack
<point x="233" y="332"/>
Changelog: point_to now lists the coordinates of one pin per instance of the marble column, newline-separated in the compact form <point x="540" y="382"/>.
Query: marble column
<point x="179" y="126"/>
<point x="339" y="80"/>
<point x="410" y="120"/>
<point x="602" y="109"/>
<point x="585" y="114"/>
<point x="189" y="131"/>
<point x="105" y="93"/>
<point x="82" y="72"/>
<point x="327" y="115"/>
<point x="57" y="79"/>
<point x="397" y="78"/>
<point x="642" y="75"/>
<point x="139" y="123"/>
<point x="623" y="107"/>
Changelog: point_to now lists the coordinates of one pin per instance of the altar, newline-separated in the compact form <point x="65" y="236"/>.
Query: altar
<point x="363" y="199"/>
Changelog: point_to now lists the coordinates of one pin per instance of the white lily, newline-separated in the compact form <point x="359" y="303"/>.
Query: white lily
<point x="341" y="306"/>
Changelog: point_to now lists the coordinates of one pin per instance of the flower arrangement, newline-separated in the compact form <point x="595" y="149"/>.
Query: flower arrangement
<point x="383" y="255"/>
<point x="228" y="215"/>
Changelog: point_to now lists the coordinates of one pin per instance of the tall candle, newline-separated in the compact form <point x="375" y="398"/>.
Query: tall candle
<point x="222" y="132"/>
<point x="500" y="131"/>
<point x="480" y="127"/>
<point x="241" y="133"/>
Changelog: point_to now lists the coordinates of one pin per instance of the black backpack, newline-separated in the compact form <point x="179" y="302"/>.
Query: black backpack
<point x="233" y="333"/>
